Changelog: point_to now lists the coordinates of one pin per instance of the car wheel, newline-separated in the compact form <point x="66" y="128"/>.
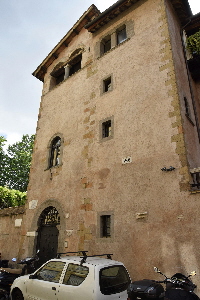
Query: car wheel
<point x="17" y="295"/>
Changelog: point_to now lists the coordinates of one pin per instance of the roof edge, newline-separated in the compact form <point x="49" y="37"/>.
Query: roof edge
<point x="86" y="17"/>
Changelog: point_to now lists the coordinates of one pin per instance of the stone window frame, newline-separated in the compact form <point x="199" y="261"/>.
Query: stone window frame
<point x="105" y="44"/>
<point x="128" y="24"/>
<point x="104" y="89"/>
<point x="49" y="151"/>
<point x="103" y="138"/>
<point x="99" y="225"/>
<point x="113" y="39"/>
<point x="64" y="70"/>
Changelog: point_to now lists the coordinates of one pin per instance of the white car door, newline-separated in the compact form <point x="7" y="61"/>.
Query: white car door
<point x="44" y="284"/>
<point x="77" y="283"/>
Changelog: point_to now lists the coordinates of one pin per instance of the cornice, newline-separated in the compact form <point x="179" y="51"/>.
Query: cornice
<point x="109" y="14"/>
<point x="93" y="20"/>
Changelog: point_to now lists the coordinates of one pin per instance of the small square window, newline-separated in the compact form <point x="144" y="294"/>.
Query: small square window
<point x="121" y="35"/>
<point x="105" y="226"/>
<point x="107" y="85"/>
<point x="106" y="129"/>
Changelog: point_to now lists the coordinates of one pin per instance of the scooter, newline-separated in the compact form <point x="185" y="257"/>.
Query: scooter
<point x="177" y="287"/>
<point x="8" y="275"/>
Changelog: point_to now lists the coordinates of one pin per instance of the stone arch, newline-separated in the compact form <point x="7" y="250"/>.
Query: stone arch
<point x="61" y="227"/>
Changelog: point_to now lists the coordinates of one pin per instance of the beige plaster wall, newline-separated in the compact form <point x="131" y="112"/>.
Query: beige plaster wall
<point x="155" y="218"/>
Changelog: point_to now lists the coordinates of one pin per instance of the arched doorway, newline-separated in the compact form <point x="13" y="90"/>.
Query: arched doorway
<point x="47" y="239"/>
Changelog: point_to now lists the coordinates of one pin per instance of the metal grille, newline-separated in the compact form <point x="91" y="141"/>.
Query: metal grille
<point x="50" y="216"/>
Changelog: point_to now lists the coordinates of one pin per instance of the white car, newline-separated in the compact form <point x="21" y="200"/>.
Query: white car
<point x="74" y="278"/>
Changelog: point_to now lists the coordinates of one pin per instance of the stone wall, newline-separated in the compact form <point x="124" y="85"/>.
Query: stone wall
<point x="10" y="232"/>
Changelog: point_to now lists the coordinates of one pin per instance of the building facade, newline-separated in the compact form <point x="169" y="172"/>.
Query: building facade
<point x="117" y="148"/>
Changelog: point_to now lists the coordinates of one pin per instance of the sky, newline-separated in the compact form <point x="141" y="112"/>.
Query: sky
<point x="29" y="30"/>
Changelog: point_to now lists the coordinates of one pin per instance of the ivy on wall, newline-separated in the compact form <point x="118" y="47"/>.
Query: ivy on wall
<point x="193" y="43"/>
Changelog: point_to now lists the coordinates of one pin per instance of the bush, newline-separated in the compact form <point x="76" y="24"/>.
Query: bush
<point x="10" y="198"/>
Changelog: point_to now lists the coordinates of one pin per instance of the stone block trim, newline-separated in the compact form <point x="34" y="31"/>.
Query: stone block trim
<point x="167" y="64"/>
<point x="86" y="205"/>
<point x="84" y="234"/>
<point x="86" y="183"/>
<point x="89" y="135"/>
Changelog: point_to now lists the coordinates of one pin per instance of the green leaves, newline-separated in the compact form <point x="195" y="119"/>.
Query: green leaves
<point x="193" y="43"/>
<point x="15" y="163"/>
<point x="10" y="198"/>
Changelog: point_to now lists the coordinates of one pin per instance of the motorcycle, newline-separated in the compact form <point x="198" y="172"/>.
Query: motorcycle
<point x="8" y="275"/>
<point x="177" y="287"/>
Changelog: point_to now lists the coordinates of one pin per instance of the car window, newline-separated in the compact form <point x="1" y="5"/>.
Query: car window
<point x="51" y="271"/>
<point x="113" y="280"/>
<point x="75" y="274"/>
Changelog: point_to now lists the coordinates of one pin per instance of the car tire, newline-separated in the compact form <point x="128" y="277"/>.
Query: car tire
<point x="17" y="295"/>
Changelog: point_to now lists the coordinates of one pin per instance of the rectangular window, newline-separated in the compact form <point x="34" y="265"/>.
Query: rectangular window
<point x="105" y="226"/>
<point x="121" y="35"/>
<point x="115" y="38"/>
<point x="106" y="129"/>
<point x="107" y="85"/>
<point x="75" y="64"/>
<point x="106" y="44"/>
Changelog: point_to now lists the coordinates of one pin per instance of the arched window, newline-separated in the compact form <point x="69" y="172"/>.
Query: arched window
<point x="55" y="152"/>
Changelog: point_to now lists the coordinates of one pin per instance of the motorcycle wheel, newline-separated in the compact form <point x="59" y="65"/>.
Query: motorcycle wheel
<point x="4" y="295"/>
<point x="17" y="295"/>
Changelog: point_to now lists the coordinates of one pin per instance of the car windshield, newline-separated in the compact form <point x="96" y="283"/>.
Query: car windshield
<point x="113" y="280"/>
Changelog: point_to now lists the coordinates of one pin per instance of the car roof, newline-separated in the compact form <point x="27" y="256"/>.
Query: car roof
<point x="88" y="260"/>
